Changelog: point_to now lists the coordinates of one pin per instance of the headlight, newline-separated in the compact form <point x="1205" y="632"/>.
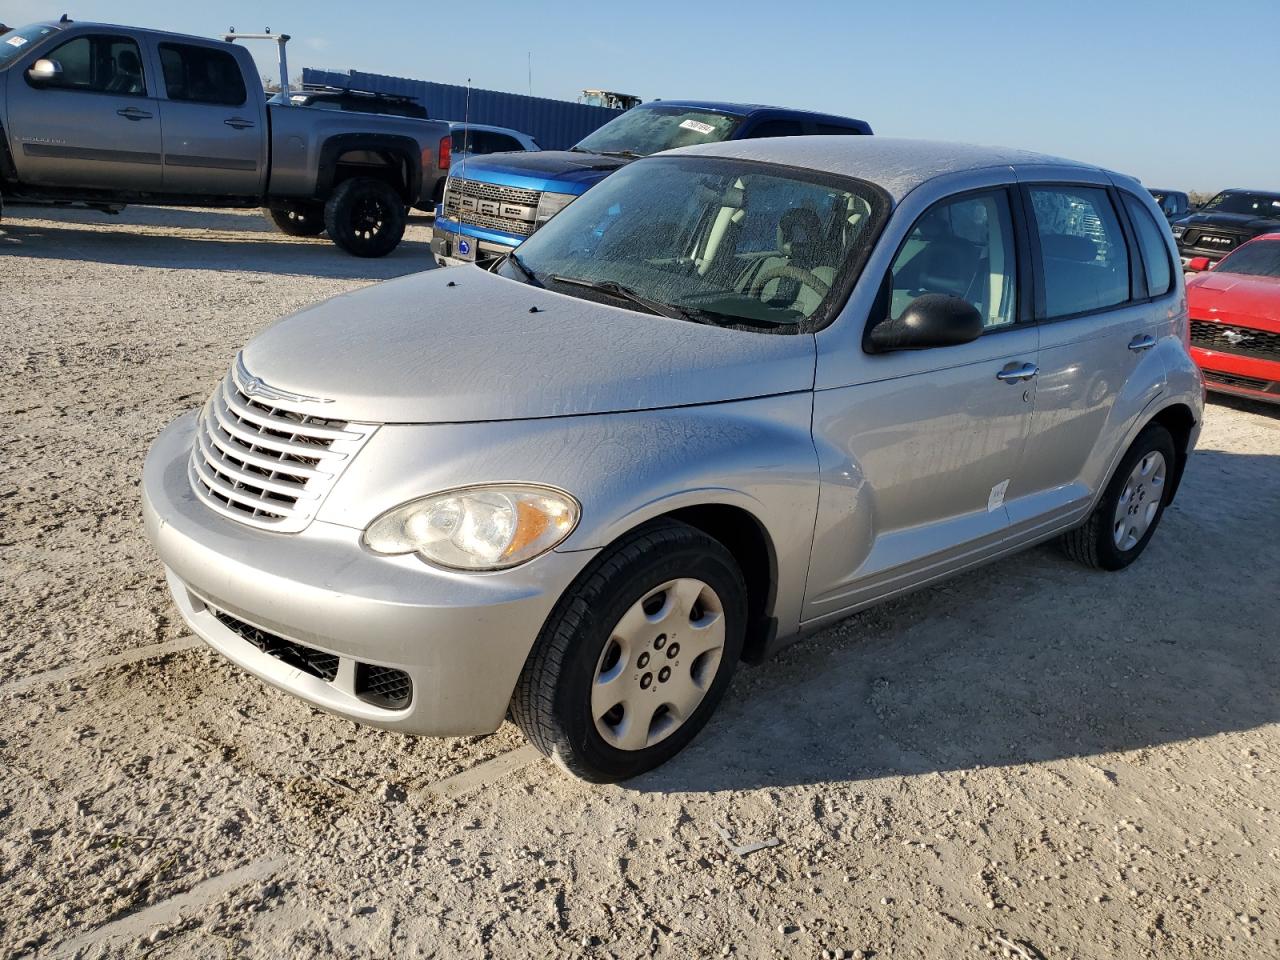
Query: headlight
<point x="489" y="527"/>
<point x="1179" y="231"/>
<point x="549" y="204"/>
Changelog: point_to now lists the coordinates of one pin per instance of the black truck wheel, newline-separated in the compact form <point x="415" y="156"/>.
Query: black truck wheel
<point x="365" y="217"/>
<point x="297" y="218"/>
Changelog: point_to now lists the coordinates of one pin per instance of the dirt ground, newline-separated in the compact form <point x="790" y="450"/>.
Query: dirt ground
<point x="1031" y="761"/>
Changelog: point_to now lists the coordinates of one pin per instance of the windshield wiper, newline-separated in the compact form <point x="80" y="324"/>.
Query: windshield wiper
<point x="628" y="154"/>
<point x="719" y="319"/>
<point x="514" y="257"/>
<point x="622" y="292"/>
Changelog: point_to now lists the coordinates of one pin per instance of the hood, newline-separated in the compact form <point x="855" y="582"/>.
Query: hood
<point x="463" y="345"/>
<point x="561" y="171"/>
<point x="1240" y="221"/>
<point x="1235" y="298"/>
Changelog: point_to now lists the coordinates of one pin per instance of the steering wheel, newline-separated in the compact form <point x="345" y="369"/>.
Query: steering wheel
<point x="798" y="274"/>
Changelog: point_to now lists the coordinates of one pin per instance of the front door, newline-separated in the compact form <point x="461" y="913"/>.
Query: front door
<point x="918" y="459"/>
<point x="96" y="125"/>
<point x="214" y="137"/>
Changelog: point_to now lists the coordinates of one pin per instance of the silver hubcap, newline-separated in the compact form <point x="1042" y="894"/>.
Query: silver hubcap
<point x="658" y="664"/>
<point x="1139" y="501"/>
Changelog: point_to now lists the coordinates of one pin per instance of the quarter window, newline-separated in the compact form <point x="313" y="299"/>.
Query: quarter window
<point x="98" y="64"/>
<point x="963" y="248"/>
<point x="1086" y="263"/>
<point x="201" y="75"/>
<point x="776" y="128"/>
<point x="1155" y="253"/>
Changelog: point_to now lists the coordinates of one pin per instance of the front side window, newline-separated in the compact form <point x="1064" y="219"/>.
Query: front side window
<point x="1260" y="258"/>
<point x="711" y="240"/>
<point x="776" y="128"/>
<point x="99" y="64"/>
<point x="962" y="248"/>
<point x="201" y="75"/>
<point x="1082" y="248"/>
<point x="1250" y="204"/>
<point x="655" y="127"/>
<point x="1155" y="255"/>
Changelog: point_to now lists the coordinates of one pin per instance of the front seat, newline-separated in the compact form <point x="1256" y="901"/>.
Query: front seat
<point x="800" y="244"/>
<point x="128" y="75"/>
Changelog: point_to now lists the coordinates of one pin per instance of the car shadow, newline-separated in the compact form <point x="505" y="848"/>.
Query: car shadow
<point x="197" y="240"/>
<point x="1031" y="659"/>
<point x="1245" y="404"/>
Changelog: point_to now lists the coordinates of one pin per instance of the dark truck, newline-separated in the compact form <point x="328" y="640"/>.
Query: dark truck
<point x="1229" y="220"/>
<point x="107" y="115"/>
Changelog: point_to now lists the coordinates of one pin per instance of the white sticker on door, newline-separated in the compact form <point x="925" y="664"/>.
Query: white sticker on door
<point x="697" y="126"/>
<point x="996" y="500"/>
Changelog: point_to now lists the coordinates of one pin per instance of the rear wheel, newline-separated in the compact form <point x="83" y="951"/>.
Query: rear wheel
<point x="365" y="217"/>
<point x="298" y="219"/>
<point x="636" y="656"/>
<point x="1121" y="525"/>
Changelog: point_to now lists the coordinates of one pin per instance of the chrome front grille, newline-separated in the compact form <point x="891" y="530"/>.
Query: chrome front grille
<point x="265" y="462"/>
<point x="491" y="206"/>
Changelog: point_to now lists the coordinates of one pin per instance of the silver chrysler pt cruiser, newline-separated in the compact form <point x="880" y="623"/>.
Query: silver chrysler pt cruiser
<point x="730" y="395"/>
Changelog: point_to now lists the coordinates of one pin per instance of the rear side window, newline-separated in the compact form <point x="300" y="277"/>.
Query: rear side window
<point x="830" y="129"/>
<point x="201" y="75"/>
<point x="776" y="128"/>
<point x="1155" y="253"/>
<point x="100" y="65"/>
<point x="1086" y="262"/>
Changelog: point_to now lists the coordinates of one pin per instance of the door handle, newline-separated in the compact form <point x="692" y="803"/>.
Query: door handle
<point x="1142" y="342"/>
<point x="1016" y="373"/>
<point x="133" y="113"/>
<point x="238" y="122"/>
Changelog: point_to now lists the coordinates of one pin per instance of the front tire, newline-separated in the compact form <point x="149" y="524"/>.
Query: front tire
<point x="1121" y="525"/>
<point x="365" y="217"/>
<point x="636" y="655"/>
<point x="298" y="219"/>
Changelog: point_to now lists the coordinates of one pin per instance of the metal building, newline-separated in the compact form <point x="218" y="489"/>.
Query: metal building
<point x="555" y="124"/>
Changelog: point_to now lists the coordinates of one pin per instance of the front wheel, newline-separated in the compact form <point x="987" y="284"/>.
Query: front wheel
<point x="636" y="656"/>
<point x="365" y="217"/>
<point x="1121" y="525"/>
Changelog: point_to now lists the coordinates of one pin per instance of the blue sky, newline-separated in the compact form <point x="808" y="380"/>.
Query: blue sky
<point x="1180" y="94"/>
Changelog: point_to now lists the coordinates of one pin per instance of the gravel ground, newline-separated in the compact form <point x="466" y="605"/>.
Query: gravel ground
<point x="1031" y="761"/>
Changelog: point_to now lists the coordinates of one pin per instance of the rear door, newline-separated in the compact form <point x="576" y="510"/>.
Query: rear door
<point x="96" y="126"/>
<point x="215" y="137"/>
<point x="1097" y="327"/>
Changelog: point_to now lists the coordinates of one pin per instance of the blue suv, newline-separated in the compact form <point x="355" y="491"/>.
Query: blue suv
<point x="493" y="202"/>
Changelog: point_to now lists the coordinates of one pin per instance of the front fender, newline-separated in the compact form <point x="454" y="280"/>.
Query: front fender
<point x="625" y="469"/>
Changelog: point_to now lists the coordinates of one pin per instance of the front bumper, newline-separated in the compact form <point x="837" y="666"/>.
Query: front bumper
<point x="1239" y="376"/>
<point x="461" y="638"/>
<point x="452" y="245"/>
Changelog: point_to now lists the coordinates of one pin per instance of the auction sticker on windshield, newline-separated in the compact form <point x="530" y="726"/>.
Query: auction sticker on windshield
<point x="21" y="41"/>
<point x="698" y="126"/>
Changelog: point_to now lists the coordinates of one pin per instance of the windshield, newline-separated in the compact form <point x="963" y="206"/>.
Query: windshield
<point x="727" y="242"/>
<point x="1252" y="204"/>
<point x="19" y="40"/>
<point x="655" y="127"/>
<point x="1258" y="259"/>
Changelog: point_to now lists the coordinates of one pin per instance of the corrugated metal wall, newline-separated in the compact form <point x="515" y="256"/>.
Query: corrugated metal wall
<point x="555" y="124"/>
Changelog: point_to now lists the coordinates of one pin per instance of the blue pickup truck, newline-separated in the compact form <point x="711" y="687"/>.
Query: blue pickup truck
<point x="491" y="203"/>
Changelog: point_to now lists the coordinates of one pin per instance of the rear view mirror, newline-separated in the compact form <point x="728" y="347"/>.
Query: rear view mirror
<point x="45" y="72"/>
<point x="930" y="320"/>
<point x="1196" y="264"/>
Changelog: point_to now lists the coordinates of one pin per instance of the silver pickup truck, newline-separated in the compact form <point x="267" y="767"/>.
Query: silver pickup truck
<point x="107" y="115"/>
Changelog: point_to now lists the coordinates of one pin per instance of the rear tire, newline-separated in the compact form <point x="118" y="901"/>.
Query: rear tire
<point x="365" y="217"/>
<point x="622" y="621"/>
<point x="300" y="219"/>
<point x="1121" y="525"/>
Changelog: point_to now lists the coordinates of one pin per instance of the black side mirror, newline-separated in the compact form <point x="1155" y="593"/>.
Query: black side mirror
<point x="930" y="320"/>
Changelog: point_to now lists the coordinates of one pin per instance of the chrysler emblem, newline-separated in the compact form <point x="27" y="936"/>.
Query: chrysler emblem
<point x="257" y="388"/>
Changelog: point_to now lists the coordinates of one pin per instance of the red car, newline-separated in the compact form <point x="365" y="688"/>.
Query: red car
<point x="1235" y="319"/>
